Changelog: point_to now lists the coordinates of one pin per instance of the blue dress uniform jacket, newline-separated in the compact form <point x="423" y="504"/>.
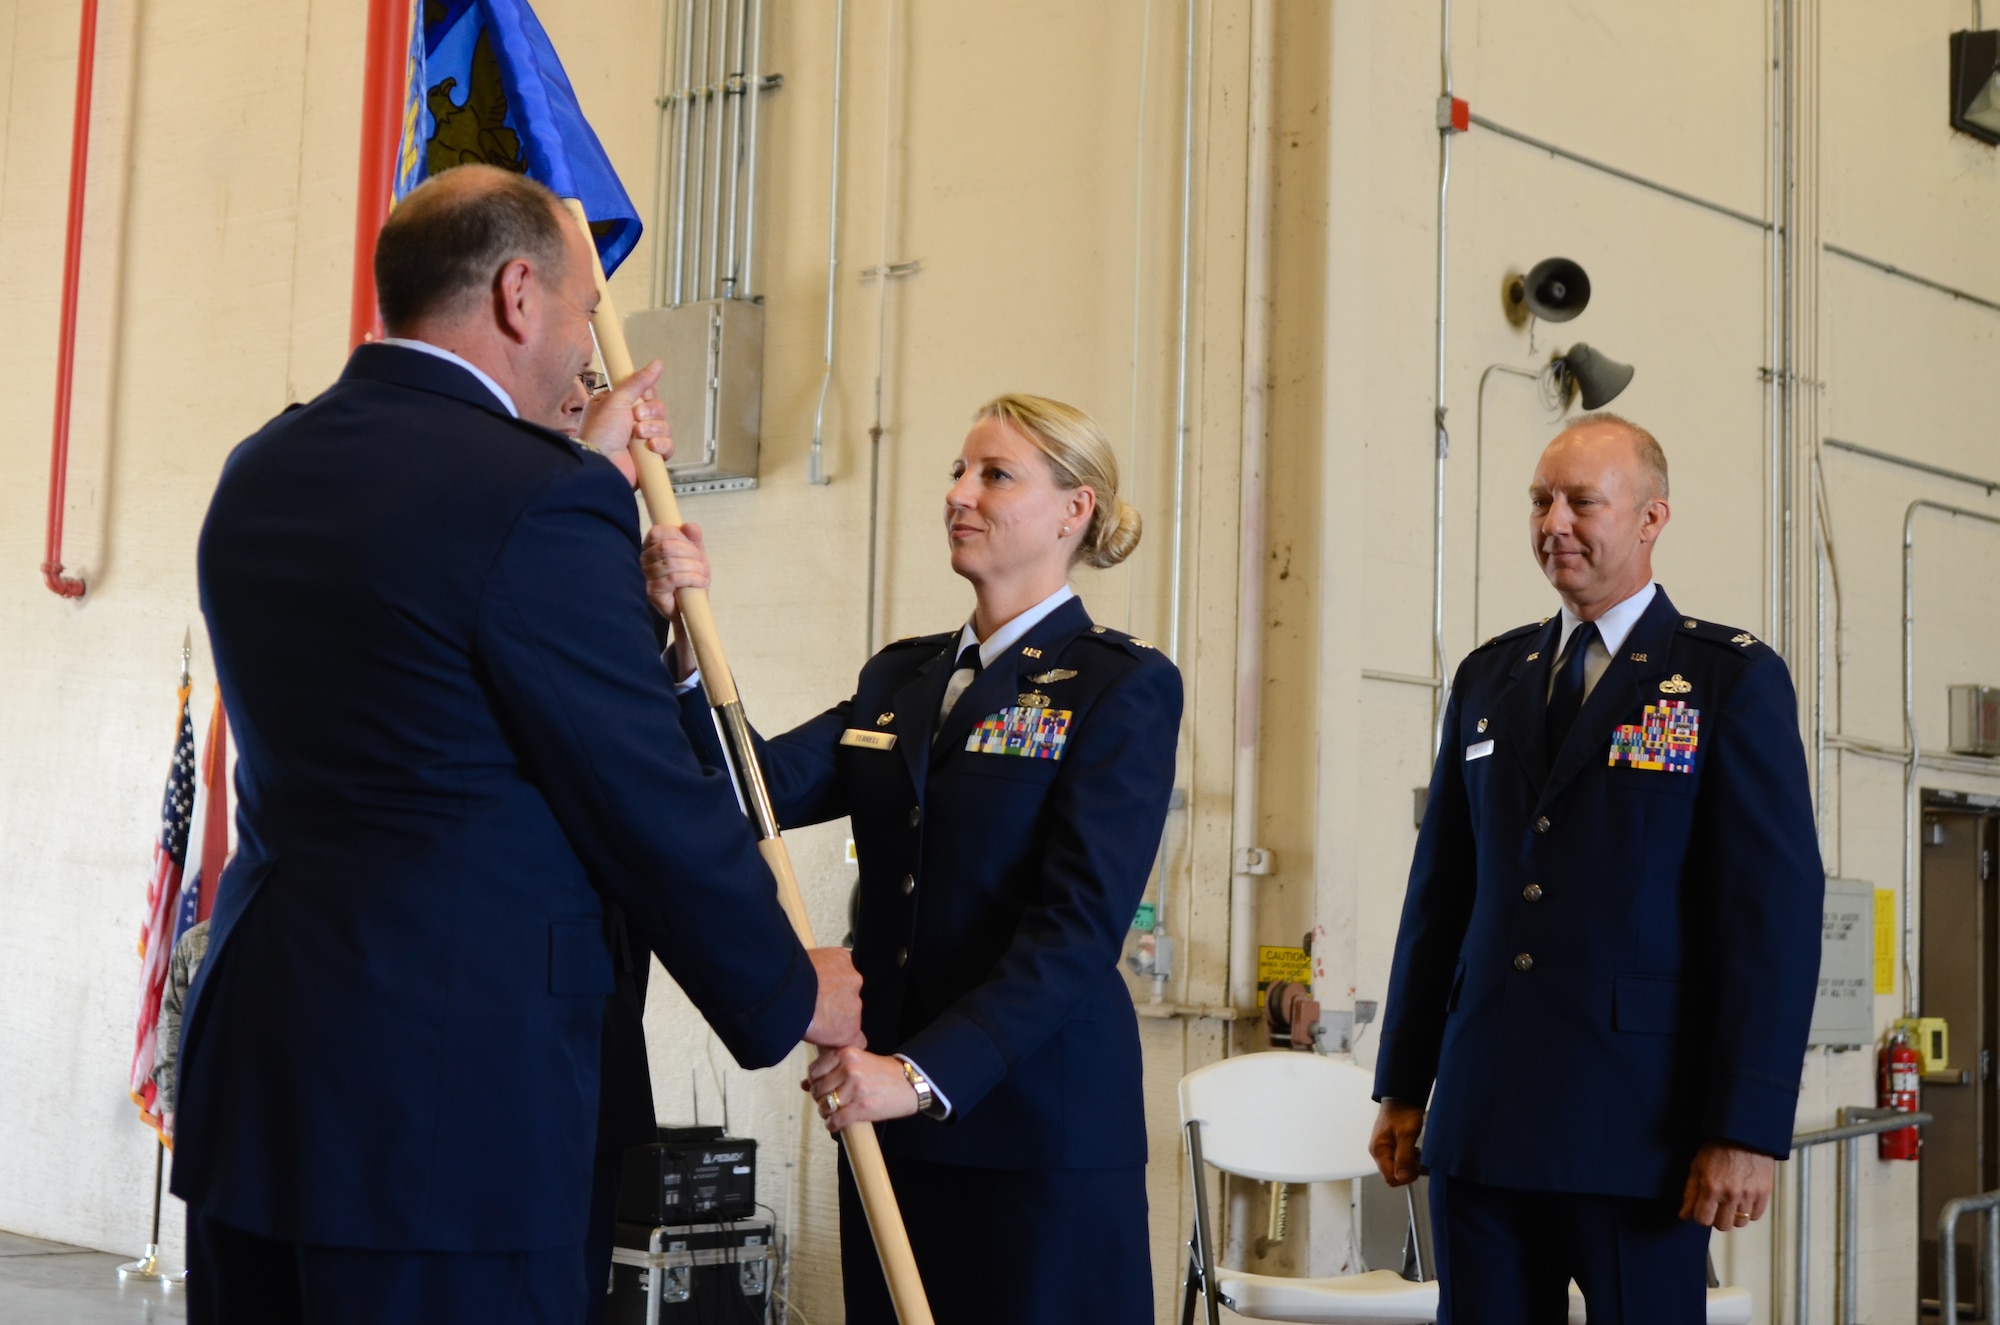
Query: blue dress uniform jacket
<point x="456" y="741"/>
<point x="996" y="890"/>
<point x="1603" y="965"/>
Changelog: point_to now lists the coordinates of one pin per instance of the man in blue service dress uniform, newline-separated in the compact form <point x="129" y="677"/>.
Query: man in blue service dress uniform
<point x="1610" y="942"/>
<point x="458" y="751"/>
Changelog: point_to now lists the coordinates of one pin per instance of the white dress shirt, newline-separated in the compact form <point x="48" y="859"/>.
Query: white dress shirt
<point x="1612" y="630"/>
<point x="437" y="352"/>
<point x="999" y="642"/>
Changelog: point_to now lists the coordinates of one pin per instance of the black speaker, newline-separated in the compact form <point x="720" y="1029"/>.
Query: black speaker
<point x="1598" y="378"/>
<point x="1554" y="290"/>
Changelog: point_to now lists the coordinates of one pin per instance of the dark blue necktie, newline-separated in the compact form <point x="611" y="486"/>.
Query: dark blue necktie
<point x="1566" y="696"/>
<point x="968" y="660"/>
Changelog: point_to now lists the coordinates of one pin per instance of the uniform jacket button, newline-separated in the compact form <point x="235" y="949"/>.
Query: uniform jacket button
<point x="909" y="884"/>
<point x="902" y="956"/>
<point x="1523" y="962"/>
<point x="1533" y="892"/>
<point x="916" y="815"/>
<point x="1541" y="824"/>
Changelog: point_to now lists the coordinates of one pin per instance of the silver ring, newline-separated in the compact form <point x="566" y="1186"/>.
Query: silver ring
<point x="832" y="1102"/>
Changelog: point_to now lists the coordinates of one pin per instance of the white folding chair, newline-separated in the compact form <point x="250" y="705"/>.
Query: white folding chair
<point x="1286" y="1117"/>
<point x="1726" y="1306"/>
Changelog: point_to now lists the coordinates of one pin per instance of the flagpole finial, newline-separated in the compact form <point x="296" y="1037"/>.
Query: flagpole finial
<point x="187" y="653"/>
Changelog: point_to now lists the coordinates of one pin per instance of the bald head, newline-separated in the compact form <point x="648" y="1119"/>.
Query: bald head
<point x="444" y="245"/>
<point x="1597" y="504"/>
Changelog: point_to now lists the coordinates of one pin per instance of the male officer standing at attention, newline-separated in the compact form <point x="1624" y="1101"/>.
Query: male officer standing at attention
<point x="1610" y="942"/>
<point x="458" y="747"/>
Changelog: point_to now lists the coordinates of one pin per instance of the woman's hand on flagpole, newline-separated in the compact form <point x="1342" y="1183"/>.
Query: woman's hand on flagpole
<point x="675" y="559"/>
<point x="851" y="1085"/>
<point x="630" y="411"/>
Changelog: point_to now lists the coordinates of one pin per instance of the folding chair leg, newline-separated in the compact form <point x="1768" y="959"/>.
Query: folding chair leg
<point x="1202" y="1260"/>
<point x="1193" y="1287"/>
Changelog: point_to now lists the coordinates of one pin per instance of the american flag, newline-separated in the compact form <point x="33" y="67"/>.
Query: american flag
<point x="208" y="836"/>
<point x="156" y="939"/>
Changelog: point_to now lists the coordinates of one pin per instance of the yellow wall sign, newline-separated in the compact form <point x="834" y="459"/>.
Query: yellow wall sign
<point x="1281" y="964"/>
<point x="1885" y="940"/>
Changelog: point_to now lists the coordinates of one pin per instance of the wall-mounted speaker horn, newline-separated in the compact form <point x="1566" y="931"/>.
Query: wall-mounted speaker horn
<point x="1554" y="290"/>
<point x="1598" y="378"/>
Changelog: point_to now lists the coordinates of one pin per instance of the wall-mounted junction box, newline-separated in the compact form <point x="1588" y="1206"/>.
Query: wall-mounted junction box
<point x="713" y="387"/>
<point x="1975" y="720"/>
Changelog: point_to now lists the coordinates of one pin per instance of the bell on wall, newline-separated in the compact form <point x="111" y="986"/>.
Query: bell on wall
<point x="1582" y="371"/>
<point x="1554" y="290"/>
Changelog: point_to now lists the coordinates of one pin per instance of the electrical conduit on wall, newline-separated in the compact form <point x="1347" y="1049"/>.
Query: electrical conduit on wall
<point x="70" y="586"/>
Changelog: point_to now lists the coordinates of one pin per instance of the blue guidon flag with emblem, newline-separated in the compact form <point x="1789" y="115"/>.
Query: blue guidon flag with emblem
<point x="484" y="86"/>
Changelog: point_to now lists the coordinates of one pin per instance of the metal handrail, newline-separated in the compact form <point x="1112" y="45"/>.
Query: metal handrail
<point x="1948" y="1251"/>
<point x="1855" y="1123"/>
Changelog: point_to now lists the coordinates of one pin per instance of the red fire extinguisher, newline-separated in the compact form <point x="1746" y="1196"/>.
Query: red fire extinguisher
<point x="1896" y="1088"/>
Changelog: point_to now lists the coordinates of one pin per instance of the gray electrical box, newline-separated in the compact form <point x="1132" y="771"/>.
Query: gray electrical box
<point x="1975" y="720"/>
<point x="1844" y="1008"/>
<point x="713" y="387"/>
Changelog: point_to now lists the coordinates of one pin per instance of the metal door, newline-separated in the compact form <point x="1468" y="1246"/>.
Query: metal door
<point x="1958" y="983"/>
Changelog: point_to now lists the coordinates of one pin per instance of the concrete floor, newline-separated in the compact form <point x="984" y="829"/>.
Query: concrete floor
<point x="49" y="1283"/>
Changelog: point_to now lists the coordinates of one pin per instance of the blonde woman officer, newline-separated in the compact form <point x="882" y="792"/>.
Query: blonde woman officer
<point x="1007" y="783"/>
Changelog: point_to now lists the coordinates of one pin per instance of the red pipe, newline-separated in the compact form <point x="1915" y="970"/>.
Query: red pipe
<point x="382" y="94"/>
<point x="69" y="586"/>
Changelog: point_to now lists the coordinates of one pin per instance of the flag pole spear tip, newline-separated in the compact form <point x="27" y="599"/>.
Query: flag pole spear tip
<point x="187" y="652"/>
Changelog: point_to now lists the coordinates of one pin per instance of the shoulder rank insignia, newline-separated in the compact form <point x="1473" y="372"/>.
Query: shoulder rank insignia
<point x="885" y="719"/>
<point x="1050" y="678"/>
<point x="1662" y="741"/>
<point x="1676" y="685"/>
<point x="1031" y="652"/>
<point x="1745" y="640"/>
<point x="1141" y="644"/>
<point x="1099" y="630"/>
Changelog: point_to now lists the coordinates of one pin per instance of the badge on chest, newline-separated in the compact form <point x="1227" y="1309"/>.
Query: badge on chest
<point x="1664" y="740"/>
<point x="1025" y="730"/>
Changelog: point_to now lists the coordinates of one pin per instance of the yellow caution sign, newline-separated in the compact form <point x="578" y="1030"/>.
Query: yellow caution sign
<point x="1281" y="964"/>
<point x="1885" y="940"/>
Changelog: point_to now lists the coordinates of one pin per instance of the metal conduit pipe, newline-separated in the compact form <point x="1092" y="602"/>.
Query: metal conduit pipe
<point x="675" y="292"/>
<point x="816" y="456"/>
<point x="1479" y="481"/>
<point x="1176" y="557"/>
<point x="718" y="94"/>
<point x="1251" y="509"/>
<point x="60" y="584"/>
<point x="1910" y="990"/>
<point x="736" y="83"/>
<point x="746" y="287"/>
<point x="1441" y="440"/>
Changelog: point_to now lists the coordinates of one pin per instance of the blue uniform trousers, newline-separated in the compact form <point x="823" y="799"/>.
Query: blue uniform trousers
<point x="1506" y="1257"/>
<point x="1008" y="1246"/>
<point x="238" y="1278"/>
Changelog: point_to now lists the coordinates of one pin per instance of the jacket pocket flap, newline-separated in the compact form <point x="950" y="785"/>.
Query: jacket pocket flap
<point x="1646" y="1004"/>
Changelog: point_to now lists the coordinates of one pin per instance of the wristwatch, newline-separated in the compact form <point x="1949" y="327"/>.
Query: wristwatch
<point x="927" y="1100"/>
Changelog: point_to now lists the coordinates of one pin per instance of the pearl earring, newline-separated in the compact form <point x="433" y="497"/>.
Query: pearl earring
<point x="1065" y="531"/>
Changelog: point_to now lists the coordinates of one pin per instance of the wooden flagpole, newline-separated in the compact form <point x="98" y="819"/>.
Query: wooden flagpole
<point x="864" y="1152"/>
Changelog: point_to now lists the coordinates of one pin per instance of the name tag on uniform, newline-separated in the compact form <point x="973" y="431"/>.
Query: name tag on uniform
<point x="868" y="740"/>
<point x="1478" y="750"/>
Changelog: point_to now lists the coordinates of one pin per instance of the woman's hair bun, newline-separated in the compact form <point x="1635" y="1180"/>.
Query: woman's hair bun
<point x="1114" y="532"/>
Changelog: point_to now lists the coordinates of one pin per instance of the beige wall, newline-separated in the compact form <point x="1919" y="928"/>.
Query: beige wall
<point x="1028" y="156"/>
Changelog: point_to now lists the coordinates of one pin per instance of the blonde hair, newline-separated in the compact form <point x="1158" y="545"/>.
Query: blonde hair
<point x="1079" y="456"/>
